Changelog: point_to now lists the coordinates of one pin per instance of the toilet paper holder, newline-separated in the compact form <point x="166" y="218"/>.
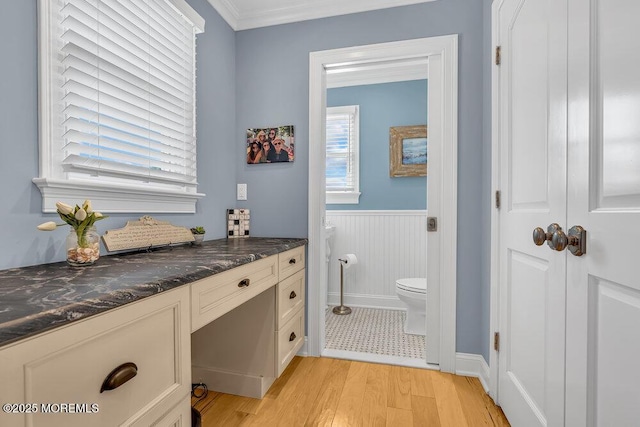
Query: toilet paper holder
<point x="345" y="262"/>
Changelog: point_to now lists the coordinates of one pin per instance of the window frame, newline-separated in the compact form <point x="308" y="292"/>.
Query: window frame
<point x="113" y="197"/>
<point x="348" y="197"/>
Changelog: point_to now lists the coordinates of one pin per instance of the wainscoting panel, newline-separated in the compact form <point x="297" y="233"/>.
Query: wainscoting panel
<point x="388" y="244"/>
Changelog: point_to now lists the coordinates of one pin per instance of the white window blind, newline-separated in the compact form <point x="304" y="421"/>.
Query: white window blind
<point x="128" y="72"/>
<point x="342" y="150"/>
<point x="123" y="92"/>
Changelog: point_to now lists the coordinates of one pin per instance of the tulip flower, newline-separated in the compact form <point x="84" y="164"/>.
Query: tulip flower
<point x="80" y="218"/>
<point x="81" y="214"/>
<point x="63" y="208"/>
<point x="48" y="226"/>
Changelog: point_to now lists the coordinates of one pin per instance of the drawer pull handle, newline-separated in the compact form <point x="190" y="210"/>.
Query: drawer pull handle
<point x="119" y="376"/>
<point x="292" y="261"/>
<point x="292" y="336"/>
<point x="244" y="283"/>
<point x="292" y="295"/>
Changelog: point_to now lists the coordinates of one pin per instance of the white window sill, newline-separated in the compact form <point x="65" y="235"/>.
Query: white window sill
<point x="112" y="198"/>
<point x="343" y="197"/>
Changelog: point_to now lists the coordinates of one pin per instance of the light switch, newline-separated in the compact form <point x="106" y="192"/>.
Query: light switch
<point x="242" y="192"/>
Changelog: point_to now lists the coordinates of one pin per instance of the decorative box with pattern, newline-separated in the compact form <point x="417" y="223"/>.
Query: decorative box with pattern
<point x="238" y="223"/>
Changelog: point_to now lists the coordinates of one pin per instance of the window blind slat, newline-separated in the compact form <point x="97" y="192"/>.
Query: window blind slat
<point x="127" y="109"/>
<point x="141" y="65"/>
<point x="131" y="31"/>
<point x="146" y="142"/>
<point x="74" y="65"/>
<point x="118" y="119"/>
<point x="75" y="53"/>
<point x="136" y="96"/>
<point x="84" y="152"/>
<point x="115" y="167"/>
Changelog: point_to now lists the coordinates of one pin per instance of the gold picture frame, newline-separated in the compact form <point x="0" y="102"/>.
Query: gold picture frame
<point x="408" y="151"/>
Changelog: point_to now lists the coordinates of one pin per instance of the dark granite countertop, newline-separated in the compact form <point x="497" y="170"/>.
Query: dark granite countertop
<point x="38" y="298"/>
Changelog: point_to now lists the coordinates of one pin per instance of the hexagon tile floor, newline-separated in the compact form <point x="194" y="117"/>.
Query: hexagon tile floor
<point x="369" y="330"/>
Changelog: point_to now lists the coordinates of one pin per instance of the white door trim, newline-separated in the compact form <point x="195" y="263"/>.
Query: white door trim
<point x="494" y="281"/>
<point x="443" y="125"/>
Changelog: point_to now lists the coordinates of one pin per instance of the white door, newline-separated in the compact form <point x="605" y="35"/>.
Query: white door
<point x="603" y="286"/>
<point x="531" y="110"/>
<point x="570" y="324"/>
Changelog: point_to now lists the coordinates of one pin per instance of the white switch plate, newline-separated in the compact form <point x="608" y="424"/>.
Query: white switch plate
<point x="242" y="192"/>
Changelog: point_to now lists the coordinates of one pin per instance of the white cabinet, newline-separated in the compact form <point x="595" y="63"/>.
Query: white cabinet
<point x="68" y="366"/>
<point x="218" y="294"/>
<point x="235" y="331"/>
<point x="246" y="348"/>
<point x="290" y="261"/>
<point x="290" y="306"/>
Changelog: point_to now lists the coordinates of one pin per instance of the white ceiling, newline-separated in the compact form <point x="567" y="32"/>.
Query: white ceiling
<point x="246" y="14"/>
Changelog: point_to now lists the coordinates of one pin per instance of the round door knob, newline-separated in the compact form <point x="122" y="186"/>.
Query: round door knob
<point x="559" y="241"/>
<point x="540" y="236"/>
<point x="576" y="241"/>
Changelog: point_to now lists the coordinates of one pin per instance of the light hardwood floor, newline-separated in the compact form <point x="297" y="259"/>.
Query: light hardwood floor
<point x="332" y="392"/>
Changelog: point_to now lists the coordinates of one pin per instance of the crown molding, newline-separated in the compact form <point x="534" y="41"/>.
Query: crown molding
<point x="256" y="17"/>
<point x="228" y="11"/>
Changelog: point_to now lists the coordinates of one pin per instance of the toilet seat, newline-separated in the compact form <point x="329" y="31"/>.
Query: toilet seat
<point x="414" y="284"/>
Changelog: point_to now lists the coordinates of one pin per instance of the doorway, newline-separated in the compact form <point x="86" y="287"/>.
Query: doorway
<point x="441" y="53"/>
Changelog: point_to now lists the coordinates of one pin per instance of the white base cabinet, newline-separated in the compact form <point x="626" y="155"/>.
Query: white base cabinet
<point x="245" y="349"/>
<point x="58" y="375"/>
<point x="132" y="366"/>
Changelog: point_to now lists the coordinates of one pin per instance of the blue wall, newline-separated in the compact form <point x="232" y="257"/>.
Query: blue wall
<point x="258" y="78"/>
<point x="383" y="106"/>
<point x="273" y="88"/>
<point x="21" y="244"/>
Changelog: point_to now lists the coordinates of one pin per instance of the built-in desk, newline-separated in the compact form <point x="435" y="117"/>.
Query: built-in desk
<point x="64" y="330"/>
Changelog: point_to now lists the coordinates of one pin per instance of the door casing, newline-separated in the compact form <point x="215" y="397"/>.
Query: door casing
<point x="443" y="61"/>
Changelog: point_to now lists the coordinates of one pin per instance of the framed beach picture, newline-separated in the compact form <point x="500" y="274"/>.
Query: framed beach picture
<point x="408" y="151"/>
<point x="270" y="145"/>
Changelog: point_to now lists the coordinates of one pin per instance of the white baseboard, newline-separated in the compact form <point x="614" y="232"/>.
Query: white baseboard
<point x="368" y="301"/>
<point x="473" y="365"/>
<point x="304" y="349"/>
<point x="255" y="386"/>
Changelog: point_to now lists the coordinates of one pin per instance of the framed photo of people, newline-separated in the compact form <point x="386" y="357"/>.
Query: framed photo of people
<point x="270" y="145"/>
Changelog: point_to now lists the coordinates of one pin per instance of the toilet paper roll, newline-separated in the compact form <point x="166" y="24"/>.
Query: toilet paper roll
<point x="348" y="260"/>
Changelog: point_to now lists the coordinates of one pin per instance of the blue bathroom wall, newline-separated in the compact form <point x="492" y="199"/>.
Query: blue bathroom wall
<point x="273" y="88"/>
<point x="382" y="106"/>
<point x="21" y="244"/>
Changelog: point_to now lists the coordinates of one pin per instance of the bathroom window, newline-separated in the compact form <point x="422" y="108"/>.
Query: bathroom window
<point x="117" y="104"/>
<point x="343" y="162"/>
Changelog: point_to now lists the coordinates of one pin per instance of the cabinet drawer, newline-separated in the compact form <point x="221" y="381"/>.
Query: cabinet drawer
<point x="178" y="416"/>
<point x="69" y="365"/>
<point x="290" y="262"/>
<point x="290" y="339"/>
<point x="216" y="295"/>
<point x="290" y="298"/>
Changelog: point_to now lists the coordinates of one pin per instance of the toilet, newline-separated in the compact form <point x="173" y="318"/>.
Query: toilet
<point x="413" y="293"/>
